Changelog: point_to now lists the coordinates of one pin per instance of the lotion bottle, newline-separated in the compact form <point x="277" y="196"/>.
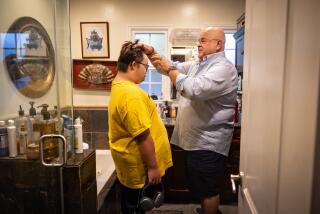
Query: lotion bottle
<point x="12" y="140"/>
<point x="78" y="147"/>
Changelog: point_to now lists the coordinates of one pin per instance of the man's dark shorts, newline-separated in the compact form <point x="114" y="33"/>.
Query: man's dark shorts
<point x="206" y="171"/>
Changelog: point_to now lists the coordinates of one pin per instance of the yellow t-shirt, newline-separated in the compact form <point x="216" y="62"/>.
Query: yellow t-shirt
<point x="131" y="112"/>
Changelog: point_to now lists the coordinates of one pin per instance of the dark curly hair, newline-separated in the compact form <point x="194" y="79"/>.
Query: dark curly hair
<point x="128" y="54"/>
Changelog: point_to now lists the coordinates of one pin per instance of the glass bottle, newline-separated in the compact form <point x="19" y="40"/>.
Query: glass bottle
<point x="47" y="126"/>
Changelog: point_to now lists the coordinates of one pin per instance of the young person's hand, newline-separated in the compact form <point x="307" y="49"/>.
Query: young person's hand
<point x="154" y="176"/>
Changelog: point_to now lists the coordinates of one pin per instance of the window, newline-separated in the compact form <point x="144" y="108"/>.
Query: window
<point x="153" y="83"/>
<point x="230" y="47"/>
<point x="156" y="84"/>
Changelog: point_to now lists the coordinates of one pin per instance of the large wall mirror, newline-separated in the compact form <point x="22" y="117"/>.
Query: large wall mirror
<point x="29" y="57"/>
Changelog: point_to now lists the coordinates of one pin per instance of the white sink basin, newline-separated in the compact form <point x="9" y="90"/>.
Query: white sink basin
<point x="104" y="167"/>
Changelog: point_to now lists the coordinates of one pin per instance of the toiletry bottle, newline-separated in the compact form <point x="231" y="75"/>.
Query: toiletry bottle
<point x="34" y="134"/>
<point x="32" y="112"/>
<point x="78" y="147"/>
<point x="50" y="145"/>
<point x="3" y="140"/>
<point x="57" y="120"/>
<point x="67" y="132"/>
<point x="173" y="112"/>
<point x="12" y="139"/>
<point x="31" y="121"/>
<point x="21" y="120"/>
<point x="167" y="109"/>
<point x="23" y="139"/>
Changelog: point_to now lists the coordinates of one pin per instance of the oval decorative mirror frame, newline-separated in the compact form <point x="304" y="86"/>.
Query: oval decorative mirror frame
<point x="29" y="57"/>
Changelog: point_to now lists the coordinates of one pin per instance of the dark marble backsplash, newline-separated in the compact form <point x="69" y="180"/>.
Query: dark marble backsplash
<point x="94" y="126"/>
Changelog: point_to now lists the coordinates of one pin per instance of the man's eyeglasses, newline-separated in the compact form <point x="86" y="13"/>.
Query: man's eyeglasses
<point x="145" y="65"/>
<point x="205" y="41"/>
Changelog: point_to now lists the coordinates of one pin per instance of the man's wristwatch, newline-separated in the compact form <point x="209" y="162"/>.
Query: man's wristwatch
<point x="171" y="68"/>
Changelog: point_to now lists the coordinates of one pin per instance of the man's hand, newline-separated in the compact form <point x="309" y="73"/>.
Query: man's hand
<point x="160" y="63"/>
<point x="147" y="49"/>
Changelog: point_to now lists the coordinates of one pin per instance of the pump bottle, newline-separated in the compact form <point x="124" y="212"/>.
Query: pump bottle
<point x="21" y="121"/>
<point x="51" y="146"/>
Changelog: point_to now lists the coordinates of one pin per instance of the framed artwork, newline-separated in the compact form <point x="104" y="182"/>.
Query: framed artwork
<point x="95" y="75"/>
<point x="95" y="39"/>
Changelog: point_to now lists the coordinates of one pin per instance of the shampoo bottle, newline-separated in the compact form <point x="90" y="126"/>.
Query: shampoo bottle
<point x="12" y="140"/>
<point x="78" y="147"/>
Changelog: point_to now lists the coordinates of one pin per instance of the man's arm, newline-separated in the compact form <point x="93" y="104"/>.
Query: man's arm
<point x="147" y="151"/>
<point x="160" y="63"/>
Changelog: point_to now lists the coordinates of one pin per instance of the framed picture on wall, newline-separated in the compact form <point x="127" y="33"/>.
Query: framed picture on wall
<point x="93" y="75"/>
<point x="95" y="39"/>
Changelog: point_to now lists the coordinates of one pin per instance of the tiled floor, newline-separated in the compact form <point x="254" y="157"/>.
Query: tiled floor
<point x="189" y="209"/>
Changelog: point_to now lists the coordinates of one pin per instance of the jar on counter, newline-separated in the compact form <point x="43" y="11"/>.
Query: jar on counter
<point x="173" y="112"/>
<point x="33" y="148"/>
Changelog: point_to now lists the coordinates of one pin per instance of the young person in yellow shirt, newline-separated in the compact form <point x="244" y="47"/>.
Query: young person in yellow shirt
<point x="137" y="137"/>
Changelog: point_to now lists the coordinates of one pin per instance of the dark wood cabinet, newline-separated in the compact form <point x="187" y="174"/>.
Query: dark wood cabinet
<point x="79" y="183"/>
<point x="176" y="182"/>
<point x="26" y="186"/>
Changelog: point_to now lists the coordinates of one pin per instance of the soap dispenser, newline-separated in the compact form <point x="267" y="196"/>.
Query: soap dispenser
<point x="34" y="122"/>
<point x="50" y="145"/>
<point x="21" y="120"/>
<point x="32" y="110"/>
<point x="34" y="134"/>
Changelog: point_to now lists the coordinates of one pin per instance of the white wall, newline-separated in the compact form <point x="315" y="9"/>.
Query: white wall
<point x="43" y="11"/>
<point x="124" y="13"/>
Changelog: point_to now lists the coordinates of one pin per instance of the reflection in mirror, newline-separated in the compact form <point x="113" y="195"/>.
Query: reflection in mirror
<point x="29" y="57"/>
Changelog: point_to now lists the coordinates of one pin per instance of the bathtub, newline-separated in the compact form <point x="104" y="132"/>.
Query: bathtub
<point x="104" y="168"/>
